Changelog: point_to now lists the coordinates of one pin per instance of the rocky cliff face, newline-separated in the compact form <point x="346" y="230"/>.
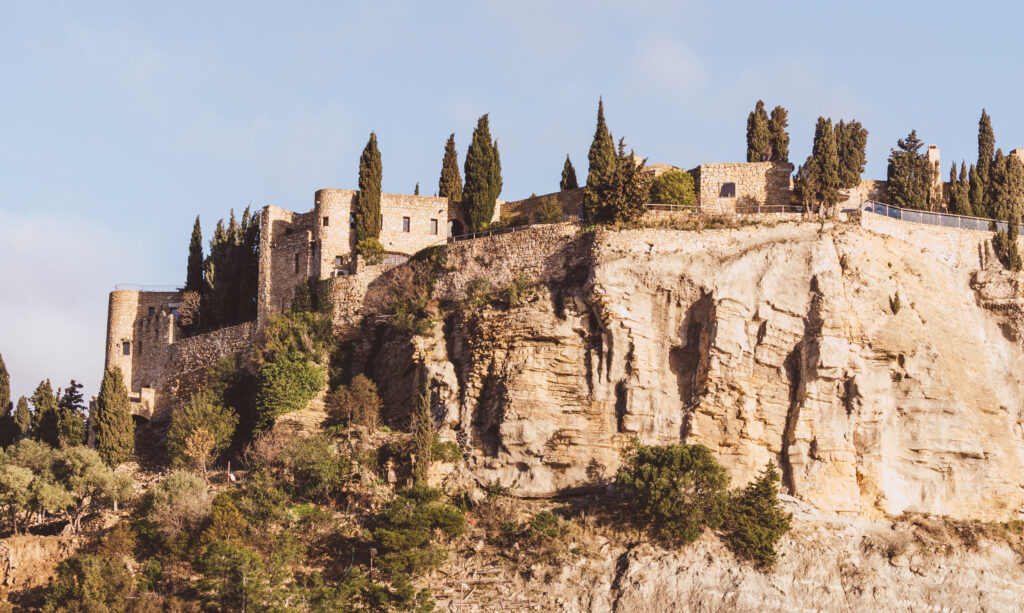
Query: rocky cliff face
<point x="782" y="344"/>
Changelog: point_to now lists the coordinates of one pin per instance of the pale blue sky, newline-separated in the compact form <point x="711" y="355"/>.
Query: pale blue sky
<point x="122" y="121"/>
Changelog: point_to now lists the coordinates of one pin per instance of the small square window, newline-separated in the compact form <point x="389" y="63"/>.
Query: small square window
<point x="152" y="310"/>
<point x="433" y="226"/>
<point x="126" y="348"/>
<point x="327" y="221"/>
<point x="339" y="261"/>
<point x="174" y="311"/>
<point x="406" y="222"/>
<point x="728" y="190"/>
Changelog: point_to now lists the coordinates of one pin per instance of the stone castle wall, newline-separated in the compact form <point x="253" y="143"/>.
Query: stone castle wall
<point x="765" y="183"/>
<point x="865" y="190"/>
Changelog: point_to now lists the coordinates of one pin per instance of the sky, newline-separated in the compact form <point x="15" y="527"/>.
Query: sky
<point x="123" y="121"/>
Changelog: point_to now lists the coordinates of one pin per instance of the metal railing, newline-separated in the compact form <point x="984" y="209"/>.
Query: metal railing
<point x="757" y="209"/>
<point x="494" y="232"/>
<point x="671" y="207"/>
<point x="147" y="288"/>
<point x="945" y="220"/>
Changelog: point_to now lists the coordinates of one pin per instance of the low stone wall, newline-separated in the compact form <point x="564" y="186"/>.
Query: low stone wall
<point x="766" y="183"/>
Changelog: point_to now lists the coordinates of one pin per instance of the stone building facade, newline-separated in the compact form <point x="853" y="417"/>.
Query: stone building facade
<point x="721" y="188"/>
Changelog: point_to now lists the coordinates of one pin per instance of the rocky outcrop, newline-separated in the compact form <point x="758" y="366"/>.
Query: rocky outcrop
<point x="870" y="373"/>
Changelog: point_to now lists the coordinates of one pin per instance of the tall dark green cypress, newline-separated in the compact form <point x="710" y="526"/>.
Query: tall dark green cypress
<point x="22" y="419"/>
<point x="976" y="192"/>
<point x="194" y="274"/>
<point x="368" y="217"/>
<point x="568" y="176"/>
<point x="986" y="147"/>
<point x="115" y="430"/>
<point x="997" y="188"/>
<point x="758" y="138"/>
<point x="778" y="137"/>
<point x="483" y="170"/>
<point x="217" y="279"/>
<point x="8" y="432"/>
<point x="964" y="193"/>
<point x="602" y="156"/>
<point x="45" y="427"/>
<point x="851" y="145"/>
<point x="450" y="184"/>
<point x="959" y="202"/>
<point x="416" y="190"/>
<point x="827" y="155"/>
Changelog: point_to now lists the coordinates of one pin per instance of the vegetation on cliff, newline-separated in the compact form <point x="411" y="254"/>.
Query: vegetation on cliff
<point x="115" y="430"/>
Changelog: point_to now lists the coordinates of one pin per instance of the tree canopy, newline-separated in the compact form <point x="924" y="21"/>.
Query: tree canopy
<point x="483" y="176"/>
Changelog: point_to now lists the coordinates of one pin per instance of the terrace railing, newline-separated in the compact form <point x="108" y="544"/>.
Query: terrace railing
<point x="945" y="220"/>
<point x="757" y="209"/>
<point x="147" y="288"/>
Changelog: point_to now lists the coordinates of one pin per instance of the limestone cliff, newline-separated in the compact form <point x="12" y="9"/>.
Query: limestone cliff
<point x="780" y="344"/>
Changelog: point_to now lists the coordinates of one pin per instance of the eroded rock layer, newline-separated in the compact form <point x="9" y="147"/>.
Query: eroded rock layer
<point x="872" y="374"/>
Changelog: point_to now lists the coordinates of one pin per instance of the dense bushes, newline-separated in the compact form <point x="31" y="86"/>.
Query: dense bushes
<point x="356" y="403"/>
<point x="673" y="187"/>
<point x="200" y="430"/>
<point x="173" y="511"/>
<point x="407" y="529"/>
<point x="682" y="489"/>
<point x="284" y="385"/>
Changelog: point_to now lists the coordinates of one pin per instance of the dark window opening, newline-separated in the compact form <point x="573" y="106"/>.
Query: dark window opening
<point x="174" y="311"/>
<point x="433" y="226"/>
<point x="406" y="222"/>
<point x="352" y="220"/>
<point x="296" y="262"/>
<point x="152" y="310"/>
<point x="140" y="346"/>
<point x="728" y="190"/>
<point x="339" y="261"/>
<point x="327" y="221"/>
<point x="126" y="348"/>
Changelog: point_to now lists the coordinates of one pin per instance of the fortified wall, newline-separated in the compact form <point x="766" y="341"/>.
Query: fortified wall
<point x="721" y="188"/>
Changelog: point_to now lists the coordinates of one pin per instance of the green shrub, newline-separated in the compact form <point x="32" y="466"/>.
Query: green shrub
<point x="308" y="334"/>
<point x="233" y="384"/>
<point x="521" y="284"/>
<point x="680" y="488"/>
<point x="284" y="385"/>
<point x="407" y="526"/>
<point x="549" y="210"/>
<point x="756" y="519"/>
<point x="673" y="187"/>
<point x="478" y="292"/>
<point x="447" y="451"/>
<point x="356" y="403"/>
<point x="174" y="510"/>
<point x="371" y="250"/>
<point x="225" y="523"/>
<point x="314" y="469"/>
<point x="205" y="413"/>
<point x="234" y="578"/>
<point x="90" y="582"/>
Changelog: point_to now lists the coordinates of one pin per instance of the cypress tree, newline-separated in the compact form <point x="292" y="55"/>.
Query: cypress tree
<point x="976" y="193"/>
<point x="619" y="196"/>
<point x="416" y="190"/>
<point x="602" y="157"/>
<point x="45" y="427"/>
<point x="997" y="187"/>
<point x="115" y="430"/>
<point x="959" y="202"/>
<point x="986" y="147"/>
<point x="568" y="176"/>
<point x="368" y="218"/>
<point x="22" y="419"/>
<point x="483" y="176"/>
<point x="909" y="174"/>
<point x="8" y="431"/>
<point x="423" y="440"/>
<point x="450" y="184"/>
<point x="778" y="137"/>
<point x="851" y="144"/>
<point x="194" y="274"/>
<point x="216" y="278"/>
<point x="247" y="249"/>
<point x="758" y="138"/>
<point x="964" y="187"/>
<point x="827" y="154"/>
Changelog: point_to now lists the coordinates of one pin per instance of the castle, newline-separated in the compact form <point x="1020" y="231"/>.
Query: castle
<point x="162" y="368"/>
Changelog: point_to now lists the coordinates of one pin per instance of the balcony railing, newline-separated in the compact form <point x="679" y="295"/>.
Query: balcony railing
<point x="945" y="220"/>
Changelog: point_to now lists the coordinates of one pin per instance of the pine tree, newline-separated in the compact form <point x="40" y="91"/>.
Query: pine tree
<point x="568" y="176"/>
<point x="450" y="184"/>
<point x="115" y="430"/>
<point x="909" y="174"/>
<point x="22" y="419"/>
<point x="71" y="416"/>
<point x="621" y="196"/>
<point x="778" y="137"/>
<point x="976" y="193"/>
<point x="8" y="431"/>
<point x="194" y="274"/>
<point x="758" y="137"/>
<point x="45" y="427"/>
<point x="602" y="156"/>
<point x="483" y="176"/>
<point x="986" y="147"/>
<point x="851" y="144"/>
<point x="367" y="214"/>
